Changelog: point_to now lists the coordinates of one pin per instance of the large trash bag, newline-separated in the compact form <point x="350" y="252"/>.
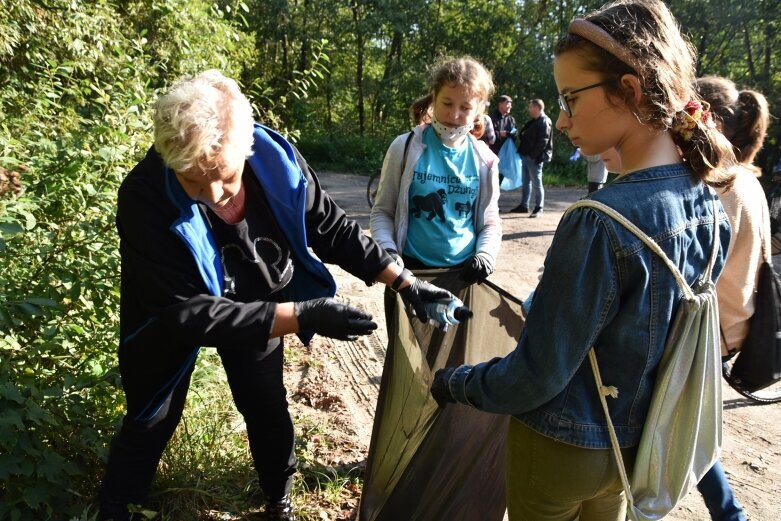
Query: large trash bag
<point x="510" y="166"/>
<point x="427" y="463"/>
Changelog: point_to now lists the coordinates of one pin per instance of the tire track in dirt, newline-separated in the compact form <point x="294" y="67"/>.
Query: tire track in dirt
<point x="358" y="364"/>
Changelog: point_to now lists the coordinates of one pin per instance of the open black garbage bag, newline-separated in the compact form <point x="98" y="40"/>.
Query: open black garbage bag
<point x="430" y="464"/>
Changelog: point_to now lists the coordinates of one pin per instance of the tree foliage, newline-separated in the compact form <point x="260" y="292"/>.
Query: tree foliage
<point x="75" y="106"/>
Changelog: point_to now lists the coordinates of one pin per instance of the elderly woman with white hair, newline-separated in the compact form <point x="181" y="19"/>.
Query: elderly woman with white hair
<point x="224" y="231"/>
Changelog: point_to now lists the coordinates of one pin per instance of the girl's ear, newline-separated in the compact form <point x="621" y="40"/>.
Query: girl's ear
<point x="630" y="84"/>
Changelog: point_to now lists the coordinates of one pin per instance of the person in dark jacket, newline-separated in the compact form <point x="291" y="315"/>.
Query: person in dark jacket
<point x="224" y="231"/>
<point x="535" y="147"/>
<point x="504" y="123"/>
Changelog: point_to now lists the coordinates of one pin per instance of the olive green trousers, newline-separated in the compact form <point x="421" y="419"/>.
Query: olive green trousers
<point x="548" y="480"/>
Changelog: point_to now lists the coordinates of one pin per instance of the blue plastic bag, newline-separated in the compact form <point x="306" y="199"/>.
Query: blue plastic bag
<point x="510" y="166"/>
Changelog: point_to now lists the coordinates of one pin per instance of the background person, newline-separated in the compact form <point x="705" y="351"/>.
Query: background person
<point x="216" y="225"/>
<point x="596" y="172"/>
<point x="625" y="75"/>
<point x="743" y="117"/>
<point x="504" y="127"/>
<point x="489" y="134"/>
<point x="503" y="122"/>
<point x="420" y="110"/>
<point x="535" y="146"/>
<point x="437" y="204"/>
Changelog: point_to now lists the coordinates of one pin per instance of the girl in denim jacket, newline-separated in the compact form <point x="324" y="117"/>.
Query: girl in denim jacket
<point x="625" y="76"/>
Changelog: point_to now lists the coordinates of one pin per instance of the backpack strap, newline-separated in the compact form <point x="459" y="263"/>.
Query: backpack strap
<point x="766" y="249"/>
<point x="406" y="150"/>
<point x="602" y="389"/>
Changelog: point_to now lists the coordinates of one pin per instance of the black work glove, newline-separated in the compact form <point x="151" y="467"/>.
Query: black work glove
<point x="478" y="269"/>
<point x="439" y="388"/>
<point x="419" y="293"/>
<point x="396" y="257"/>
<point x="327" y="317"/>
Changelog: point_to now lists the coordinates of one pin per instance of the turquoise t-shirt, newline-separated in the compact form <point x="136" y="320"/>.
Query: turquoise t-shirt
<point x="442" y="200"/>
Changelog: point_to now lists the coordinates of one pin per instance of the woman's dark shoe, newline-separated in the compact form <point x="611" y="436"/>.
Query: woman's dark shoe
<point x="536" y="213"/>
<point x="281" y="510"/>
<point x="519" y="209"/>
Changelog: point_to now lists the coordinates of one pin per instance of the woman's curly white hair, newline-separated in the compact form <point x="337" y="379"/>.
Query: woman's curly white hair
<point x="203" y="121"/>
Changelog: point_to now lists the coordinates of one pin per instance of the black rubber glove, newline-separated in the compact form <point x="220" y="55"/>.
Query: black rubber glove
<point x="439" y="388"/>
<point x="477" y="270"/>
<point x="327" y="317"/>
<point x="420" y="293"/>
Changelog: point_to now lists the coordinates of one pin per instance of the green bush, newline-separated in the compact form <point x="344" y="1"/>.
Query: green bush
<point x="349" y="153"/>
<point x="75" y="108"/>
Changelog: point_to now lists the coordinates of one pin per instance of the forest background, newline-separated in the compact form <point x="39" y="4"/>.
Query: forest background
<point x="77" y="83"/>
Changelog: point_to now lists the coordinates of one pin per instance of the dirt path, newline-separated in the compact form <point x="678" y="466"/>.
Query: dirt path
<point x="752" y="434"/>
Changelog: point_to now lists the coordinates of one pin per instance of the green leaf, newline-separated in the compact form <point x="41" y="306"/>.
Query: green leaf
<point x="107" y="153"/>
<point x="244" y="7"/>
<point x="30" y="221"/>
<point x="11" y="228"/>
<point x="52" y="467"/>
<point x="42" y="302"/>
<point x="28" y="309"/>
<point x="11" y="417"/>
<point x="9" y="391"/>
<point x="9" y="465"/>
<point x="36" y="494"/>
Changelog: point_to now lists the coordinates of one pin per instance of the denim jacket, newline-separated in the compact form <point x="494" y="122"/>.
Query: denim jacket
<point x="602" y="287"/>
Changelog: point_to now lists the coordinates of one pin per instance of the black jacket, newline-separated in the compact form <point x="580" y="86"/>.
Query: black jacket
<point x="166" y="309"/>
<point x="536" y="139"/>
<point x="501" y="123"/>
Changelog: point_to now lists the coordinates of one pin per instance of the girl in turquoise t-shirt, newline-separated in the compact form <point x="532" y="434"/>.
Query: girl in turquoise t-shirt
<point x="437" y="204"/>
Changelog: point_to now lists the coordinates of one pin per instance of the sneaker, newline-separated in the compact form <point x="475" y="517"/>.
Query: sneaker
<point x="281" y="510"/>
<point x="519" y="209"/>
<point x="536" y="213"/>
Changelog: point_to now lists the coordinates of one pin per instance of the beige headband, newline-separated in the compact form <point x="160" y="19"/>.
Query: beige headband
<point x="602" y="39"/>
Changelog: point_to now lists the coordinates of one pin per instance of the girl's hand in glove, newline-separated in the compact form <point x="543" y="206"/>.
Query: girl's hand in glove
<point x="478" y="269"/>
<point x="440" y="389"/>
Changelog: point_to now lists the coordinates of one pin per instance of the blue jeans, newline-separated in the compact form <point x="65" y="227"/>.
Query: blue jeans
<point x="531" y="180"/>
<point x="718" y="496"/>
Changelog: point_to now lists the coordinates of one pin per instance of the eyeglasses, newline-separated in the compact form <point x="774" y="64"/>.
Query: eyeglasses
<point x="564" y="104"/>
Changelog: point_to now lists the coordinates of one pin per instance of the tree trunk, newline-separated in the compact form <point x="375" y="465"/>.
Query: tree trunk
<point x="359" y="44"/>
<point x="329" y="120"/>
<point x="392" y="63"/>
<point x="766" y="68"/>
<point x="749" y="55"/>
